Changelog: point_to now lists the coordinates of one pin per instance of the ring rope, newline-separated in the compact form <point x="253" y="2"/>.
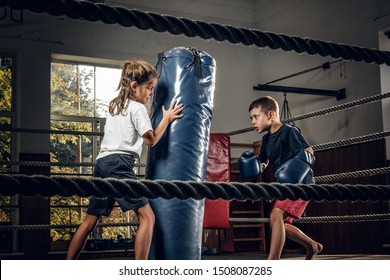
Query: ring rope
<point x="341" y="143"/>
<point x="49" y="131"/>
<point x="353" y="174"/>
<point x="318" y="179"/>
<point x="319" y="147"/>
<point x="62" y="164"/>
<point x="325" y="178"/>
<point x="82" y="187"/>
<point x="351" y="141"/>
<point x="321" y="219"/>
<point x="190" y="28"/>
<point x="345" y="142"/>
<point x="348" y="105"/>
<point x="325" y="111"/>
<point x="44" y="227"/>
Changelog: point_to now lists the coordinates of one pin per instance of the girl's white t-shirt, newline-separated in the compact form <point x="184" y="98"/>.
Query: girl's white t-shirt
<point x="123" y="132"/>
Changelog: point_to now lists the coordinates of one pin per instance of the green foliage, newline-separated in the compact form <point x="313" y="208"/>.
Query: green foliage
<point x="5" y="144"/>
<point x="5" y="137"/>
<point x="4" y="212"/>
<point x="71" y="90"/>
<point x="5" y="89"/>
<point x="5" y="106"/>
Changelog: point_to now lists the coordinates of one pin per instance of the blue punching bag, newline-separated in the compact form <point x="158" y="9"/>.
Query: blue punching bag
<point x="187" y="75"/>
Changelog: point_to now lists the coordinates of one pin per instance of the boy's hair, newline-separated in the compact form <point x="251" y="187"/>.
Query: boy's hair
<point x="266" y="103"/>
<point x="135" y="70"/>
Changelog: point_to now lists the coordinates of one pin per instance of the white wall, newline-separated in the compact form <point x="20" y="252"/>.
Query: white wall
<point x="348" y="22"/>
<point x="239" y="67"/>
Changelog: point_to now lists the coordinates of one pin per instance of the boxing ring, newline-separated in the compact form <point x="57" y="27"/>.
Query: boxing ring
<point x="30" y="185"/>
<point x="48" y="186"/>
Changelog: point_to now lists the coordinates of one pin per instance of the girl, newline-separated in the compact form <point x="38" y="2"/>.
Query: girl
<point x="127" y="127"/>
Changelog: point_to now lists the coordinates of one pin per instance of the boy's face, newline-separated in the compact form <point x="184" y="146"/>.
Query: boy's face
<point x="261" y="121"/>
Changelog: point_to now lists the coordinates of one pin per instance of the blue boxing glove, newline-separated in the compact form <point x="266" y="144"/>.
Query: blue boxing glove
<point x="295" y="169"/>
<point x="249" y="165"/>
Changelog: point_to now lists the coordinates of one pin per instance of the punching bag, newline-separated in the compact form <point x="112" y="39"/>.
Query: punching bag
<point x="187" y="75"/>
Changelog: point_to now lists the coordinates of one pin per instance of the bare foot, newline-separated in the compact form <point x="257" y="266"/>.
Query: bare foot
<point x="314" y="251"/>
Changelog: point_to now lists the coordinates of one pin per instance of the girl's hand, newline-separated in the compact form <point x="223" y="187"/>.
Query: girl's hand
<point x="173" y="111"/>
<point x="150" y="137"/>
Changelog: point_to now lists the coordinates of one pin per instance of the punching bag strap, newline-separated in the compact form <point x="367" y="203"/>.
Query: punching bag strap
<point x="197" y="62"/>
<point x="159" y="64"/>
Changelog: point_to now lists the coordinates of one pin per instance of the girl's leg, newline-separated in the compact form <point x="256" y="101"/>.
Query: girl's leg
<point x="144" y="236"/>
<point x="278" y="234"/>
<point x="80" y="237"/>
<point x="312" y="247"/>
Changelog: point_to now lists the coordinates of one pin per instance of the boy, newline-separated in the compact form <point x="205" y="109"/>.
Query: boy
<point x="292" y="157"/>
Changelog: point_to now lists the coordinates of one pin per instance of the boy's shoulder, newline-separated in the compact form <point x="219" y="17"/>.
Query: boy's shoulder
<point x="291" y="127"/>
<point x="287" y="126"/>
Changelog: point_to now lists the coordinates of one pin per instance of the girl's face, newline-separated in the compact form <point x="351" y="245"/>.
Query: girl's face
<point x="261" y="121"/>
<point x="144" y="92"/>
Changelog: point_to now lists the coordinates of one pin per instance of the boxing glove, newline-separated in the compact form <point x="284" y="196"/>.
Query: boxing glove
<point x="295" y="169"/>
<point x="249" y="165"/>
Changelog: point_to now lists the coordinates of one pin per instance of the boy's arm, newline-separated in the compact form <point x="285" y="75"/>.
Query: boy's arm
<point x="264" y="165"/>
<point x="295" y="169"/>
<point x="250" y="165"/>
<point x="310" y="150"/>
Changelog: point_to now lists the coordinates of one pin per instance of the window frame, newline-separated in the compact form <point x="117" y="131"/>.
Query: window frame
<point x="15" y="140"/>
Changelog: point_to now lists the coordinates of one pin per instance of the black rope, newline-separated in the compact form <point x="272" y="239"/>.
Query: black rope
<point x="286" y="113"/>
<point x="83" y="187"/>
<point x="49" y="131"/>
<point x="66" y="226"/>
<point x="193" y="28"/>
<point x="50" y="163"/>
<point x="333" y="109"/>
<point x="352" y="141"/>
<point x="353" y="174"/>
<point x="321" y="219"/>
<point x="341" y="107"/>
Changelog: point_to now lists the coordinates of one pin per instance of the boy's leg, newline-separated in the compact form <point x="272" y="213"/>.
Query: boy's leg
<point x="278" y="234"/>
<point x="80" y="237"/>
<point x="144" y="235"/>
<point x="312" y="247"/>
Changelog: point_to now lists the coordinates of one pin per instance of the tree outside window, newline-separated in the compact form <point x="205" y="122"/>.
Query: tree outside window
<point x="6" y="68"/>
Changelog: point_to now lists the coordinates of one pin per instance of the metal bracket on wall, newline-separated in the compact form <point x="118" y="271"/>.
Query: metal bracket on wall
<point x="339" y="94"/>
<point x="12" y="16"/>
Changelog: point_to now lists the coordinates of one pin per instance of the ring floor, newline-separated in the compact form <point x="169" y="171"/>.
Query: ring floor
<point x="121" y="255"/>
<point x="259" y="256"/>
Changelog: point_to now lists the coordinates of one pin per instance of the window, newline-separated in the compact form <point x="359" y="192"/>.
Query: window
<point x="79" y="102"/>
<point x="6" y="69"/>
<point x="8" y="205"/>
<point x="82" y="90"/>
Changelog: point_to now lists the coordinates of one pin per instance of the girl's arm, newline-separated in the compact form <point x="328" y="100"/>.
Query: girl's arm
<point x="152" y="137"/>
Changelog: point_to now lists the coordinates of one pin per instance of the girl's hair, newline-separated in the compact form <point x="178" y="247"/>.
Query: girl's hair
<point x="266" y="103"/>
<point x="135" y="70"/>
